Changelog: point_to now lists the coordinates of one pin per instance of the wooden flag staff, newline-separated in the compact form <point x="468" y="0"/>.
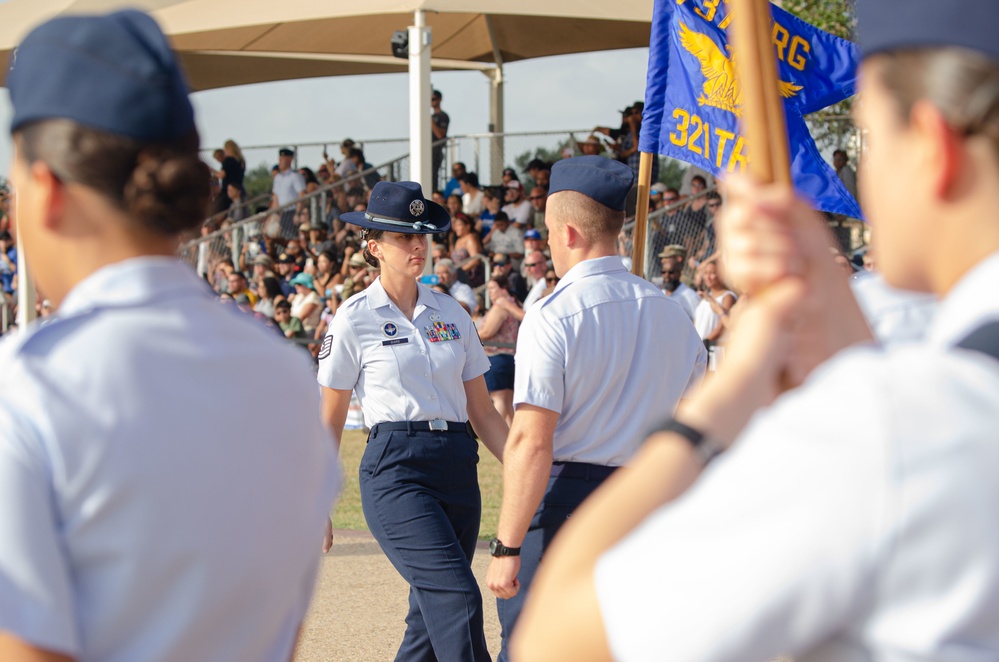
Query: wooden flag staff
<point x="763" y="121"/>
<point x="641" y="214"/>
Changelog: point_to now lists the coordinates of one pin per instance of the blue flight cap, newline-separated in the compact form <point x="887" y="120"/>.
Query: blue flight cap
<point x="115" y="73"/>
<point x="886" y="25"/>
<point x="606" y="181"/>
<point x="400" y="207"/>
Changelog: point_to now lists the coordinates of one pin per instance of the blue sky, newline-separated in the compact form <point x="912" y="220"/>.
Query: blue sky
<point x="563" y="92"/>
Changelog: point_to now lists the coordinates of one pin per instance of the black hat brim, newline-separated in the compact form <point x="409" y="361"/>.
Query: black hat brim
<point x="439" y="221"/>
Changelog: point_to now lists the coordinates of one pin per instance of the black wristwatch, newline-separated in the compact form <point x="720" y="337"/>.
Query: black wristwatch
<point x="496" y="548"/>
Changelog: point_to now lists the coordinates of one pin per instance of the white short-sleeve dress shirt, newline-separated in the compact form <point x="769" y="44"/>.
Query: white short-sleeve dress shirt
<point x="157" y="499"/>
<point x="288" y="185"/>
<point x="855" y="519"/>
<point x="611" y="354"/>
<point x="403" y="370"/>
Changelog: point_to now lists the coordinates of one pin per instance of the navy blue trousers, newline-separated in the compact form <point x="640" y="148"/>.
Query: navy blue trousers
<point x="420" y="495"/>
<point x="564" y="494"/>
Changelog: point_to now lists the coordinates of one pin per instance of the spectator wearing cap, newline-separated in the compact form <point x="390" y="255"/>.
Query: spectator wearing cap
<point x="571" y="431"/>
<point x="616" y="135"/>
<point x="591" y="146"/>
<point x="355" y="281"/>
<point x="534" y="241"/>
<point x="517" y="208"/>
<point x="629" y="141"/>
<point x="439" y="123"/>
<point x="453" y="186"/>
<point x="284" y="266"/>
<point x="288" y="185"/>
<point x="306" y="305"/>
<point x="509" y="174"/>
<point x="261" y="265"/>
<point x="538" y="199"/>
<point x="505" y="237"/>
<point x="471" y="196"/>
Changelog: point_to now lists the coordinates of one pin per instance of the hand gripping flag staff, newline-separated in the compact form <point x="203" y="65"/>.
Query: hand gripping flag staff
<point x="698" y="90"/>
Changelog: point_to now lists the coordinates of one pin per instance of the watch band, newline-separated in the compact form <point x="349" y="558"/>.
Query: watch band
<point x="697" y="440"/>
<point x="497" y="548"/>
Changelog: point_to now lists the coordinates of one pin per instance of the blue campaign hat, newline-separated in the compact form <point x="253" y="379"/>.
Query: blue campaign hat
<point x="114" y="72"/>
<point x="606" y="181"/>
<point x="400" y="207"/>
<point x="885" y="25"/>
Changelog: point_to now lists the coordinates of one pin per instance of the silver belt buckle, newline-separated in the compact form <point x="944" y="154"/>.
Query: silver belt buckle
<point x="438" y="425"/>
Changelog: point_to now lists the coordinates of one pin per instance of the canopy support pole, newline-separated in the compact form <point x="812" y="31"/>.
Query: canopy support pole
<point x="419" y="104"/>
<point x="497" y="156"/>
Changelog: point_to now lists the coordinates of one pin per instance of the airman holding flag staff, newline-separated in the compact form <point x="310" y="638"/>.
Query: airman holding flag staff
<point x="853" y="518"/>
<point x="598" y="361"/>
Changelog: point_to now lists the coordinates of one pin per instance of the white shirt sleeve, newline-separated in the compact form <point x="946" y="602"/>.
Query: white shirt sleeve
<point x="539" y="378"/>
<point x="36" y="598"/>
<point x="298" y="183"/>
<point x="476" y="361"/>
<point x="340" y="355"/>
<point x="771" y="551"/>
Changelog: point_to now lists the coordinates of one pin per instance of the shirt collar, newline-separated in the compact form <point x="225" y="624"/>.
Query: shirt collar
<point x="969" y="304"/>
<point x="598" y="265"/>
<point x="131" y="282"/>
<point x="378" y="297"/>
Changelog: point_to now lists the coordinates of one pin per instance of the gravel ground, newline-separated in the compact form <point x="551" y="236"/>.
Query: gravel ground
<point x="359" y="609"/>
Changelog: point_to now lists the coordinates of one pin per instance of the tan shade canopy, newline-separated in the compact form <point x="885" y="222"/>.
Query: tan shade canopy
<point x="236" y="42"/>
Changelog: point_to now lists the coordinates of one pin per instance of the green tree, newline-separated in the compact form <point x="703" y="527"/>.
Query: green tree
<point x="831" y="127"/>
<point x="257" y="181"/>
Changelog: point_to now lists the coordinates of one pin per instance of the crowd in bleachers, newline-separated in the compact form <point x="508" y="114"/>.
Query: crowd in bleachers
<point x="295" y="261"/>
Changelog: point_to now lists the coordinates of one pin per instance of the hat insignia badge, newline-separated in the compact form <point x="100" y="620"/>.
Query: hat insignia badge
<point x="416" y="208"/>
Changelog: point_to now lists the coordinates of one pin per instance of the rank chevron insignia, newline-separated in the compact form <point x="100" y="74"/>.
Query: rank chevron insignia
<point x="721" y="89"/>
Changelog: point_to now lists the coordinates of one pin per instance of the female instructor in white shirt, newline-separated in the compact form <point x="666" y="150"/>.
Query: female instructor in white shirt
<point x="417" y="365"/>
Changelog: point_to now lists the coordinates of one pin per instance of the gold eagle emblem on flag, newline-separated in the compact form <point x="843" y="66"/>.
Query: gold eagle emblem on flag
<point x="721" y="87"/>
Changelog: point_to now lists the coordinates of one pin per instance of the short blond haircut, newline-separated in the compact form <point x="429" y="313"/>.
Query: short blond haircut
<point x="597" y="223"/>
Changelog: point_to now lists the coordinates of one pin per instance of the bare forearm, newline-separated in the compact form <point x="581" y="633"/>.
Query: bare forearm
<point x="492" y="430"/>
<point x="526" y="470"/>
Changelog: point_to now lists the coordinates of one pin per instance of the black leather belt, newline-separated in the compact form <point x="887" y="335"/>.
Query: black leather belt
<point x="436" y="425"/>
<point x="583" y="470"/>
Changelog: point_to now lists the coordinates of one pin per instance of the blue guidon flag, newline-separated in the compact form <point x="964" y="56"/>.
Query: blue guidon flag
<point x="693" y="101"/>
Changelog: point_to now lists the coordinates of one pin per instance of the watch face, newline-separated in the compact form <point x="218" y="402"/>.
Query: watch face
<point x="494" y="546"/>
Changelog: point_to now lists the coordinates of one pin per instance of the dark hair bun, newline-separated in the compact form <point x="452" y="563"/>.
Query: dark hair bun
<point x="168" y="192"/>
